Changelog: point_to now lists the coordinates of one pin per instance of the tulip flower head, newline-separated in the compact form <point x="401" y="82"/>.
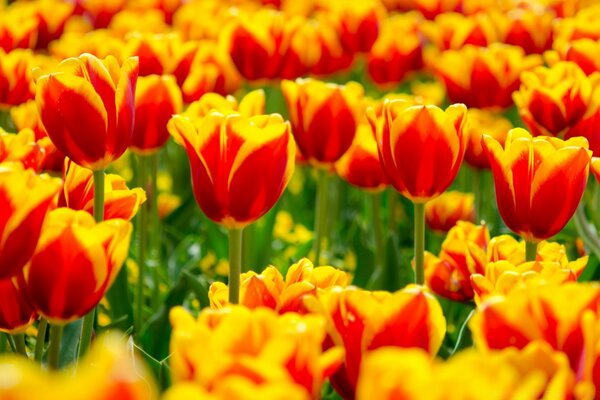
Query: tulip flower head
<point x="482" y="122"/>
<point x="443" y="212"/>
<point x="87" y="106"/>
<point x="324" y="118"/>
<point x="24" y="200"/>
<point x="225" y="152"/>
<point x="74" y="264"/>
<point x="16" y="314"/>
<point x="539" y="181"/>
<point x="157" y="98"/>
<point x="417" y="142"/>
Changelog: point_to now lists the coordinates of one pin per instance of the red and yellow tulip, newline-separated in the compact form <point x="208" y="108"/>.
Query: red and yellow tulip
<point x="417" y="141"/>
<point x="157" y="98"/>
<point x="479" y="123"/>
<point x="74" y="264"/>
<point x="443" y="212"/>
<point x="87" y="107"/>
<point x="25" y="199"/>
<point x="225" y="151"/>
<point x="324" y="117"/>
<point x="535" y="197"/>
<point x="16" y="314"/>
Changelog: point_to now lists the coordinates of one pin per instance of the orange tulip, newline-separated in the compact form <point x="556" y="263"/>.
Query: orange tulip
<point x="324" y="117"/>
<point x="157" y="98"/>
<point x="390" y="59"/>
<point x="483" y="77"/>
<point x="269" y="288"/>
<point x="75" y="262"/>
<point x="535" y="197"/>
<point x="16" y="85"/>
<point x="78" y="193"/>
<point x="365" y="321"/>
<point x="87" y="107"/>
<point x="25" y="198"/>
<point x="482" y="122"/>
<point x="360" y="165"/>
<point x="225" y="151"/>
<point x="443" y="212"/>
<point x="418" y="141"/>
<point x="16" y="314"/>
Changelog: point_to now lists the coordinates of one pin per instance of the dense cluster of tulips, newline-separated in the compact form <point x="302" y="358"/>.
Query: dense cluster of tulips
<point x="279" y="199"/>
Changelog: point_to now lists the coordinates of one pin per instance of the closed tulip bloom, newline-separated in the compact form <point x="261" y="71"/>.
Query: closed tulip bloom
<point x="483" y="77"/>
<point x="22" y="148"/>
<point x="324" y="117"/>
<point x="157" y="98"/>
<point x="443" y="212"/>
<point x="357" y="22"/>
<point x="152" y="51"/>
<point x="482" y="122"/>
<point x="328" y="55"/>
<point x="417" y="142"/>
<point x="584" y="52"/>
<point x="87" y="106"/>
<point x="225" y="151"/>
<point x="24" y="201"/>
<point x="360" y="165"/>
<point x="253" y="103"/>
<point x="454" y="30"/>
<point x="536" y="178"/>
<point x="16" y="314"/>
<point x="16" y="30"/>
<point x="529" y="29"/>
<point x="74" y="264"/>
<point x="78" y="193"/>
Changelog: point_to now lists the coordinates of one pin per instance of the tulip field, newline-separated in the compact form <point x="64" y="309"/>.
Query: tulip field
<point x="316" y="199"/>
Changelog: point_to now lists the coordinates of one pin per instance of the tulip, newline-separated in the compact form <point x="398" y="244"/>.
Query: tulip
<point x="529" y="29"/>
<point x="552" y="314"/>
<point x="252" y="104"/>
<point x="327" y="56"/>
<point x="270" y="289"/>
<point x="157" y="98"/>
<point x="443" y="212"/>
<point x="25" y="201"/>
<point x="254" y="344"/>
<point x="561" y="100"/>
<point x="414" y="143"/>
<point x="16" y="86"/>
<point x="225" y="151"/>
<point x="483" y="77"/>
<point x="584" y="52"/>
<point x="211" y="70"/>
<point x="237" y="388"/>
<point x="26" y="115"/>
<point x="101" y="12"/>
<point x="50" y="16"/>
<point x="16" y="30"/>
<point x="151" y="50"/>
<point x="357" y="23"/>
<point x="390" y="60"/>
<point x="75" y="262"/>
<point x="78" y="193"/>
<point x="16" y="314"/>
<point x="22" y="148"/>
<point x="454" y="30"/>
<point x="531" y="184"/>
<point x="365" y="321"/>
<point x="87" y="108"/>
<point x="360" y="165"/>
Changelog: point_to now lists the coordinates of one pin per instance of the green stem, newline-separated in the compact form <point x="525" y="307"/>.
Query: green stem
<point x="320" y="214"/>
<point x="478" y="192"/>
<point x="392" y="201"/>
<point x="142" y="241"/>
<point x="589" y="236"/>
<point x="41" y="339"/>
<point x="235" y="264"/>
<point x="154" y="241"/>
<point x="56" y="332"/>
<point x="88" y="321"/>
<point x="419" y="243"/>
<point x="20" y="343"/>
<point x="380" y="265"/>
<point x="3" y="343"/>
<point x="530" y="251"/>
